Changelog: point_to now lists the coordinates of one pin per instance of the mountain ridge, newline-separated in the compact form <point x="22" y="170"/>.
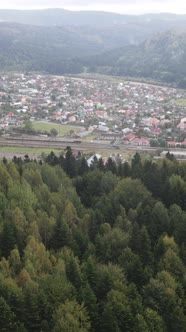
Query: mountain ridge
<point x="60" y="16"/>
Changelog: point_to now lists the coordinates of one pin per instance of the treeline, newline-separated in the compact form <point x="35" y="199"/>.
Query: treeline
<point x="99" y="248"/>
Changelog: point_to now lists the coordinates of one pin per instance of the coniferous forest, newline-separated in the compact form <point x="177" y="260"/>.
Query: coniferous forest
<point x="99" y="248"/>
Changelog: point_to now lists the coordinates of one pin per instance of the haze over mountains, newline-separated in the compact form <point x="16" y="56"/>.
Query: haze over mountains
<point x="58" y="41"/>
<point x="60" y="17"/>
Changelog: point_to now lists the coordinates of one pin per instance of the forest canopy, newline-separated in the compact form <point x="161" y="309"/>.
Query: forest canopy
<point x="99" y="248"/>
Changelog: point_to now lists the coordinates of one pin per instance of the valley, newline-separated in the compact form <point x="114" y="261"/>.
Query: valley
<point x="90" y="114"/>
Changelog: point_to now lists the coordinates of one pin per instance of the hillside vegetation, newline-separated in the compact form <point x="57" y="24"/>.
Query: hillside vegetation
<point x="98" y="249"/>
<point x="25" y="47"/>
<point x="51" y="49"/>
<point x="161" y="57"/>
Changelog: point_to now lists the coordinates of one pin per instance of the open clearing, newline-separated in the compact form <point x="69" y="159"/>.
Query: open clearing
<point x="10" y="152"/>
<point x="61" y="129"/>
<point x="181" y="102"/>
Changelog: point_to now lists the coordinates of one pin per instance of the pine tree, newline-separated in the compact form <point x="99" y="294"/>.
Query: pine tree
<point x="70" y="163"/>
<point x="89" y="299"/>
<point x="144" y="249"/>
<point x="101" y="165"/>
<point x="111" y="165"/>
<point x="83" y="168"/>
<point x="7" y="317"/>
<point x="8" y="239"/>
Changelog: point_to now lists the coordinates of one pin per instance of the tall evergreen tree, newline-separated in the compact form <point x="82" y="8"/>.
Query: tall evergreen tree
<point x="7" y="317"/>
<point x="8" y="239"/>
<point x="70" y="163"/>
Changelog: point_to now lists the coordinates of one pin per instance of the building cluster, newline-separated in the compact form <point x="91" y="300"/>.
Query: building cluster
<point x="110" y="110"/>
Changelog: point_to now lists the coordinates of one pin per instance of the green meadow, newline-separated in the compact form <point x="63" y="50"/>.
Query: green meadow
<point x="61" y="129"/>
<point x="181" y="102"/>
<point x="10" y="151"/>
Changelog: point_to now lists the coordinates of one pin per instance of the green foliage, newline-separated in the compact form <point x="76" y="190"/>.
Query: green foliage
<point x="154" y="321"/>
<point x="130" y="193"/>
<point x="71" y="316"/>
<point x="160" y="57"/>
<point x="109" y="246"/>
<point x="54" y="132"/>
<point x="28" y="127"/>
<point x="8" y="239"/>
<point x="7" y="317"/>
<point x="108" y="257"/>
<point x="117" y="314"/>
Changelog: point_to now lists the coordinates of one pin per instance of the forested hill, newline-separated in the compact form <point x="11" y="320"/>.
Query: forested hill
<point x="62" y="17"/>
<point x="99" y="249"/>
<point x="161" y="57"/>
<point x="49" y="49"/>
<point x="72" y="50"/>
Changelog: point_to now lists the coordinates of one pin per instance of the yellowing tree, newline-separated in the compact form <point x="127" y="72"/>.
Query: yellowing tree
<point x="71" y="317"/>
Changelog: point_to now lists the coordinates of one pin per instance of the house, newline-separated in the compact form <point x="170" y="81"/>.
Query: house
<point x="72" y="118"/>
<point x="91" y="159"/>
<point x="153" y="122"/>
<point x="183" y="144"/>
<point x="155" y="130"/>
<point x="182" y="125"/>
<point x="141" y="141"/>
<point x="101" y="113"/>
<point x="171" y="144"/>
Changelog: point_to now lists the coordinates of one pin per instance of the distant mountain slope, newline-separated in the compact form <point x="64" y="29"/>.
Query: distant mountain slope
<point x="50" y="49"/>
<point x="47" y="49"/>
<point x="42" y="48"/>
<point x="122" y="29"/>
<point x="51" y="17"/>
<point x="161" y="57"/>
<point x="68" y="49"/>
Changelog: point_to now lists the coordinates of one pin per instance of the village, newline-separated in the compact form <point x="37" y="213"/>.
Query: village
<point x="108" y="110"/>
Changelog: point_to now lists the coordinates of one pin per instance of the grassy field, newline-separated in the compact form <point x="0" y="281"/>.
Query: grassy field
<point x="61" y="129"/>
<point x="10" y="152"/>
<point x="97" y="76"/>
<point x="34" y="153"/>
<point x="181" y="102"/>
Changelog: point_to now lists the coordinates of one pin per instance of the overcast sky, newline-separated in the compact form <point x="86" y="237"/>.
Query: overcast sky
<point x="119" y="6"/>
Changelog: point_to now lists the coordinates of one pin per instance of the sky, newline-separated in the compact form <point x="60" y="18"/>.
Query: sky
<point x="117" y="6"/>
